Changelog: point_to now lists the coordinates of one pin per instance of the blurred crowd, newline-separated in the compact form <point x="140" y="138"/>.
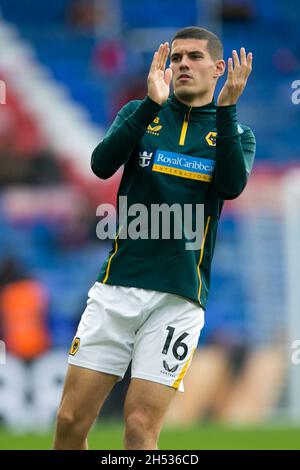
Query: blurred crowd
<point x="49" y="255"/>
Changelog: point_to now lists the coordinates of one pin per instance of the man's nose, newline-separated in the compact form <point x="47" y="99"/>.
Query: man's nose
<point x="183" y="63"/>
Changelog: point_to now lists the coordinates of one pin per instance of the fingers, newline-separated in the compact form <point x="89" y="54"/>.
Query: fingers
<point x="230" y="69"/>
<point x="246" y="61"/>
<point x="160" y="57"/>
<point x="243" y="57"/>
<point x="235" y="59"/>
<point x="168" y="76"/>
<point x="163" y="55"/>
<point x="242" y="66"/>
<point x="154" y="62"/>
<point x="249" y="62"/>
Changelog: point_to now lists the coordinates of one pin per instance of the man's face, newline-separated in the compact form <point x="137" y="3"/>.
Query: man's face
<point x="195" y="73"/>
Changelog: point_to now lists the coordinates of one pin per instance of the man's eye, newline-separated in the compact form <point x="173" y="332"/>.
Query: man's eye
<point x="175" y="59"/>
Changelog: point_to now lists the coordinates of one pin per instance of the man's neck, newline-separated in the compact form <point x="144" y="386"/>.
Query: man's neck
<point x="198" y="100"/>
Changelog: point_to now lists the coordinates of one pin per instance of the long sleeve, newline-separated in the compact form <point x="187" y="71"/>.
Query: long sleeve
<point x="127" y="129"/>
<point x="235" y="151"/>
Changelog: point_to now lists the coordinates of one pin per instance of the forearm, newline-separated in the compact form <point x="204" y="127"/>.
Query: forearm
<point x="122" y="137"/>
<point x="230" y="176"/>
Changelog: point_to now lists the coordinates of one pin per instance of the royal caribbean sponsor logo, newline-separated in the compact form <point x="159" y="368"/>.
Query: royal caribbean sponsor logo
<point x="145" y="158"/>
<point x="184" y="166"/>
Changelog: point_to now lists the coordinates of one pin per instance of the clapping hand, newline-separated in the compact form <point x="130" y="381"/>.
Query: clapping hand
<point x="159" y="77"/>
<point x="238" y="73"/>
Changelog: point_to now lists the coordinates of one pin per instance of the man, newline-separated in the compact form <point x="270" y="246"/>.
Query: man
<point x="148" y="304"/>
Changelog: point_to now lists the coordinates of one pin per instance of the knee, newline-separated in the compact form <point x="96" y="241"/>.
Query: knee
<point x="65" y="419"/>
<point x="139" y="432"/>
<point x="69" y="423"/>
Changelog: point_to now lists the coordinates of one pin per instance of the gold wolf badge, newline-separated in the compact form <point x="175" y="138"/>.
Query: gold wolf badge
<point x="74" y="346"/>
<point x="211" y="138"/>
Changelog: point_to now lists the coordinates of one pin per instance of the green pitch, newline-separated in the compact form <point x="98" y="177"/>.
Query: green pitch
<point x="109" y="436"/>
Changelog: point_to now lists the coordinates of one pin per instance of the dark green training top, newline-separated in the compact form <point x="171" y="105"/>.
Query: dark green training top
<point x="173" y="154"/>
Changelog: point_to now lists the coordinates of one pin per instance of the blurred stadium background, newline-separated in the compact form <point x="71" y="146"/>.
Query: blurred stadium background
<point x="66" y="67"/>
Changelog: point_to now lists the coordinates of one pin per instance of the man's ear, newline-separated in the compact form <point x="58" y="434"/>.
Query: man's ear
<point x="220" y="66"/>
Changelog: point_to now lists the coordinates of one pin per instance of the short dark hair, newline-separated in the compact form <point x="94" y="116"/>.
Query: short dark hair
<point x="214" y="45"/>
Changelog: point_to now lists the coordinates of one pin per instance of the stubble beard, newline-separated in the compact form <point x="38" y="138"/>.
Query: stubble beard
<point x="187" y="95"/>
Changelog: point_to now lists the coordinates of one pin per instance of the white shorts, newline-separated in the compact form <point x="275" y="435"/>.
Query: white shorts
<point x="157" y="331"/>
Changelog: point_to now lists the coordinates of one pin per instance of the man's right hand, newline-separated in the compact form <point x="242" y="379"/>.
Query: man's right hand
<point x="159" y="77"/>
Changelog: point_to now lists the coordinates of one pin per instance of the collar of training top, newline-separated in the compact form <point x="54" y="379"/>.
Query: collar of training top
<point x="194" y="111"/>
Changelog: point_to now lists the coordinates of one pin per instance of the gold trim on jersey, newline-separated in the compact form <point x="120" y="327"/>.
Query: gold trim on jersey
<point x="110" y="258"/>
<point x="182" y="373"/>
<point x="184" y="127"/>
<point x="201" y="257"/>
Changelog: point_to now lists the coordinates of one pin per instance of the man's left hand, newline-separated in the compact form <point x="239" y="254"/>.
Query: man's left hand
<point x="238" y="73"/>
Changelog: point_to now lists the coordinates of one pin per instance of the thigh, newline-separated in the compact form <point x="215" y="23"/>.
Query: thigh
<point x="207" y="383"/>
<point x="84" y="393"/>
<point x="149" y="401"/>
<point x="105" y="335"/>
<point x="165" y="343"/>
